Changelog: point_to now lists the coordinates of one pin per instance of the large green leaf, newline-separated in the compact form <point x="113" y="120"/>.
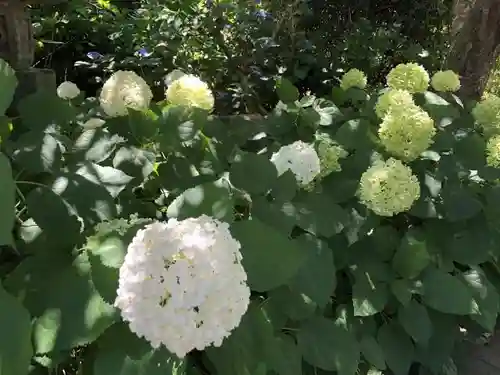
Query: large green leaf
<point x="44" y="108"/>
<point x="460" y="203"/>
<point x="285" y="357"/>
<point x="69" y="312"/>
<point x="286" y="91"/>
<point x="412" y="256"/>
<point x="269" y="258"/>
<point x="317" y="214"/>
<point x="37" y="152"/>
<point x="54" y="216"/>
<point x="398" y="348"/>
<point x="250" y="346"/>
<point x="316" y="278"/>
<point x="486" y="300"/>
<point x="330" y="347"/>
<point x="253" y="173"/>
<point x="112" y="179"/>
<point x="446" y="293"/>
<point x="415" y="320"/>
<point x="15" y="340"/>
<point x="297" y="306"/>
<point x="214" y="199"/>
<point x="95" y="145"/>
<point x="373" y="352"/>
<point x="369" y="297"/>
<point x="132" y="355"/>
<point x="7" y="201"/>
<point x="134" y="161"/>
<point x="8" y="83"/>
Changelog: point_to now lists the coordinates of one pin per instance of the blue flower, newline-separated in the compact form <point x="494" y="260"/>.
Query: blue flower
<point x="143" y="52"/>
<point x="261" y="13"/>
<point x="93" y="55"/>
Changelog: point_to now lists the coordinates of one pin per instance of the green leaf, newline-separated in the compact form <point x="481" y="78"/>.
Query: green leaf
<point x="295" y="305"/>
<point x="354" y="134"/>
<point x="285" y="357"/>
<point x="416" y="322"/>
<point x="253" y="173"/>
<point x="44" y="108"/>
<point x="286" y="91"/>
<point x="273" y="215"/>
<point x="180" y="125"/>
<point x="8" y="83"/>
<point x="486" y="307"/>
<point x="329" y="113"/>
<point x="69" y="312"/>
<point x="269" y="258"/>
<point x="144" y="125"/>
<point x="134" y="162"/>
<point x="133" y="355"/>
<point x="460" y="204"/>
<point x="442" y="343"/>
<point x="316" y="278"/>
<point x="91" y="201"/>
<point x="178" y="174"/>
<point x="397" y="347"/>
<point x="15" y="341"/>
<point x="96" y="145"/>
<point x="446" y="293"/>
<point x="328" y="346"/>
<point x="7" y="200"/>
<point x="317" y="214"/>
<point x="412" y="256"/>
<point x="213" y="199"/>
<point x="373" y="352"/>
<point x="54" y="216"/>
<point x="285" y="187"/>
<point x="112" y="179"/>
<point x="250" y="346"/>
<point x="369" y="297"/>
<point x="471" y="245"/>
<point x="37" y="152"/>
<point x="402" y="290"/>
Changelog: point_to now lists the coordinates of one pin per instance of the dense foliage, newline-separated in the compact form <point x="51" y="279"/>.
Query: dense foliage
<point x="239" y="47"/>
<point x="365" y="224"/>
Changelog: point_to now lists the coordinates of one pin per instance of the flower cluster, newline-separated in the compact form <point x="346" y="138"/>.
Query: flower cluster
<point x="389" y="187"/>
<point x="487" y="114"/>
<point x="188" y="90"/>
<point x="393" y="98"/>
<point x="493" y="152"/>
<point x="410" y="77"/>
<point x="445" y="81"/>
<point x="123" y="90"/>
<point x="182" y="284"/>
<point x="68" y="90"/>
<point x="93" y="123"/>
<point x="406" y="132"/>
<point x="329" y="153"/>
<point x="353" y="78"/>
<point x="300" y="158"/>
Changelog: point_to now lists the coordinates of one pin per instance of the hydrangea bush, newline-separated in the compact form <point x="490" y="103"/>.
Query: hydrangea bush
<point x="351" y="234"/>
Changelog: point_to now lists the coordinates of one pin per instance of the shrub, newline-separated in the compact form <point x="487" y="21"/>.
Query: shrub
<point x="357" y="261"/>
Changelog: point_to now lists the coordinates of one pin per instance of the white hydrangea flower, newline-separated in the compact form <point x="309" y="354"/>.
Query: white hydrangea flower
<point x="190" y="91"/>
<point x="125" y="89"/>
<point x="93" y="123"/>
<point x="353" y="78"/>
<point x="68" y="90"/>
<point x="182" y="284"/>
<point x="446" y="80"/>
<point x="300" y="158"/>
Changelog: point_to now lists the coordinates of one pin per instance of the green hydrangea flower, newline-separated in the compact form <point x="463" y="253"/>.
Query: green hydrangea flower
<point x="446" y="80"/>
<point x="329" y="153"/>
<point x="487" y="114"/>
<point x="411" y="77"/>
<point x="493" y="152"/>
<point x="393" y="99"/>
<point x="388" y="188"/>
<point x="353" y="78"/>
<point x="406" y="132"/>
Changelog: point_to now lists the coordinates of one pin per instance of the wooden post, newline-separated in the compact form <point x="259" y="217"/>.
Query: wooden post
<point x="17" y="47"/>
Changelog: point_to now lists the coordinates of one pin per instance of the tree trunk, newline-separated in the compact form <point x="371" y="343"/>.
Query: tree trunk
<point x="475" y="43"/>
